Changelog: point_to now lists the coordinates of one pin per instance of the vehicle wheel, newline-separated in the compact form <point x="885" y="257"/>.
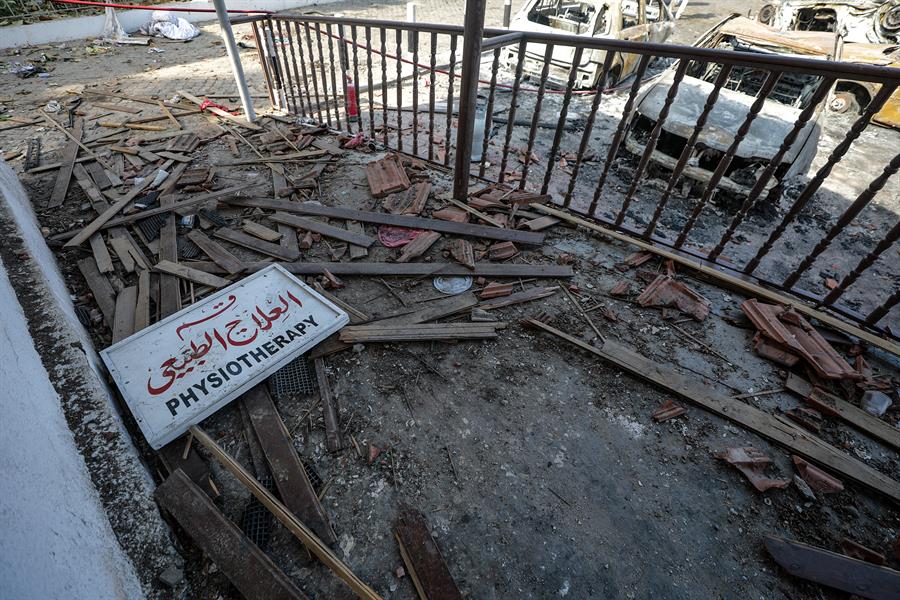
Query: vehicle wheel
<point x="844" y="102"/>
<point x="766" y="14"/>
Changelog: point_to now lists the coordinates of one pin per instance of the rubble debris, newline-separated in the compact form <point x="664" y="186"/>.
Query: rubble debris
<point x="412" y="269"/>
<point x="287" y="469"/>
<point x="423" y="559"/>
<point x="816" y="478"/>
<point x="502" y="251"/>
<point x="805" y="417"/>
<point x="479" y="315"/>
<point x="875" y="403"/>
<point x="334" y="440"/>
<point x="834" y="570"/>
<point x="495" y="290"/>
<point x="455" y="215"/>
<point x="620" y="289"/>
<point x="765" y="348"/>
<point x="751" y="418"/>
<point x="668" y="410"/>
<point x="364" y="334"/>
<point x="409" y="202"/>
<point x="418" y="246"/>
<point x="184" y="272"/>
<point x="263" y="233"/>
<point x="789" y="330"/>
<point x="182" y="454"/>
<point x="860" y="552"/>
<point x="461" y="251"/>
<point x="527" y="296"/>
<point x="171" y="577"/>
<point x="394" y="237"/>
<point x="667" y="292"/>
<point x="285" y="517"/>
<point x="246" y="566"/>
<point x="216" y="252"/>
<point x="751" y="462"/>
<point x="634" y="260"/>
<point x="386" y="176"/>
<point x="804" y="488"/>
<point x="323" y="228"/>
<point x="438" y="309"/>
<point x="101" y="289"/>
<point x="268" y="248"/>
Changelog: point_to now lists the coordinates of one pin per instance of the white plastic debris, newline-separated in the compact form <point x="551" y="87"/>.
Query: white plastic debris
<point x="875" y="402"/>
<point x="165" y="24"/>
<point x="112" y="29"/>
<point x="160" y="177"/>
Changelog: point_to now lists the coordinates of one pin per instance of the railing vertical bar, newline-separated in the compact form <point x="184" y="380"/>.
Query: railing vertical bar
<point x="264" y="61"/>
<point x="725" y="161"/>
<point x="304" y="79"/>
<point x="821" y="92"/>
<point x="589" y="126"/>
<point x="620" y="131"/>
<point x="489" y="111"/>
<point x="448" y="130"/>
<point x="281" y="53"/>
<point x="688" y="150"/>
<point x="356" y="86"/>
<point x="332" y="69"/>
<point x="845" y="219"/>
<point x="511" y="117"/>
<point x="816" y="182"/>
<point x="561" y="123"/>
<point x="324" y="75"/>
<point x="312" y="71"/>
<point x="433" y="51"/>
<point x="399" y="33"/>
<point x="867" y="261"/>
<point x="293" y="53"/>
<point x="880" y="312"/>
<point x="653" y="140"/>
<point x="536" y="117"/>
<point x="343" y="73"/>
<point x="277" y="78"/>
<point x="370" y="82"/>
<point x="384" y="88"/>
<point x="415" y="93"/>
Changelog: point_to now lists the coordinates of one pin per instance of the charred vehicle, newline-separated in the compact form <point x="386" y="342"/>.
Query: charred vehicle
<point x="860" y="21"/>
<point x="635" y="20"/>
<point x="792" y="93"/>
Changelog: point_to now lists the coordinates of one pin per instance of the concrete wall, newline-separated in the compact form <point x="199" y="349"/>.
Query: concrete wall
<point x="63" y="30"/>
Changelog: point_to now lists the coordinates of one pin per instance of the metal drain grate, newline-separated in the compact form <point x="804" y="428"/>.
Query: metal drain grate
<point x="151" y="225"/>
<point x="33" y="155"/>
<point x="296" y="377"/>
<point x="187" y="248"/>
<point x="313" y="475"/>
<point x="83" y="314"/>
<point x="256" y="520"/>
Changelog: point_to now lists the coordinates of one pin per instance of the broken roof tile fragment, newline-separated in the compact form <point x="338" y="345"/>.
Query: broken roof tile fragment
<point x="752" y="463"/>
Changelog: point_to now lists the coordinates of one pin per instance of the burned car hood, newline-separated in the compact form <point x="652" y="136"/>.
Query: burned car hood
<point x="766" y="134"/>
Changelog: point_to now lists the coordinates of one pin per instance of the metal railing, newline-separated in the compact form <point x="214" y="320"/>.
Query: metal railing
<point x="399" y="84"/>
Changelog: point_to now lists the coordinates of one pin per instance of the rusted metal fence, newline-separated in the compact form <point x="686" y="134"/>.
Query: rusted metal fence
<point x="399" y="84"/>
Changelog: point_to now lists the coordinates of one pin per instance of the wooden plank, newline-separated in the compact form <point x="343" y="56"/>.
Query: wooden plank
<point x="95" y="225"/>
<point x="185" y="272"/>
<point x="357" y="334"/>
<point x="169" y="286"/>
<point x="260" y="231"/>
<point x="142" y="307"/>
<point x="101" y="289"/>
<point x="856" y="577"/>
<point x="64" y="176"/>
<point x="219" y="112"/>
<point x="174" y="156"/>
<point x="117" y="107"/>
<point x="268" y="248"/>
<point x="101" y="254"/>
<point x="356" y="316"/>
<point x="418" y="246"/>
<point x="334" y="441"/>
<point x="357" y="251"/>
<point x="845" y="411"/>
<point x="780" y="431"/>
<point x="216" y="252"/>
<point x="168" y="114"/>
<point x="246" y="566"/>
<point x="128" y="254"/>
<point x="296" y="156"/>
<point x="435" y="310"/>
<point x="526" y="296"/>
<point x="124" y="320"/>
<point x="334" y="212"/>
<point x="730" y="280"/>
<point x="422" y="556"/>
<point x="289" y="239"/>
<point x="474" y="211"/>
<point x="287" y="469"/>
<point x="182" y="454"/>
<point x="424" y="269"/>
<point x="323" y="228"/>
<point x="98" y="174"/>
<point x="284" y="516"/>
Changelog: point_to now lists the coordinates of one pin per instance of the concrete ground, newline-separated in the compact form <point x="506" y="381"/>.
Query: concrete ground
<point x="537" y="466"/>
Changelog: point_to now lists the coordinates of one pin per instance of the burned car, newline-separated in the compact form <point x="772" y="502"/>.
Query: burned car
<point x="635" y="20"/>
<point x="873" y="21"/>
<point x="792" y="93"/>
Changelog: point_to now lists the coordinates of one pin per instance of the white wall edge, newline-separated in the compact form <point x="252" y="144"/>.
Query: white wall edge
<point x="63" y="30"/>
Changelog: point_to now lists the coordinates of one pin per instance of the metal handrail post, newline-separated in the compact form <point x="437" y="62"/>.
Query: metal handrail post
<point x="468" y="95"/>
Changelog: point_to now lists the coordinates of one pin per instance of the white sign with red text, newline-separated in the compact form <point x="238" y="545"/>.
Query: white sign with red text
<point x="179" y="371"/>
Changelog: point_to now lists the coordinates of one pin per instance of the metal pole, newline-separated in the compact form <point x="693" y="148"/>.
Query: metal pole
<point x="507" y="12"/>
<point x="410" y="35"/>
<point x="236" y="68"/>
<point x="468" y="95"/>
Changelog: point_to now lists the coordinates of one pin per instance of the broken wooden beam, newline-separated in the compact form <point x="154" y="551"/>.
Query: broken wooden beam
<point x="124" y="320"/>
<point x="101" y="289"/>
<point x="386" y="176"/>
<point x="287" y="469"/>
<point x="242" y="239"/>
<point x="246" y="566"/>
<point x="780" y="431"/>
<point x="64" y="175"/>
<point x="526" y="296"/>
<point x="216" y="252"/>
<point x="418" y="246"/>
<point x="350" y="214"/>
<point x="260" y="231"/>
<point x="422" y="556"/>
<point x="360" y="334"/>
<point x="334" y="441"/>
<point x="285" y="517"/>
<point x="194" y="275"/>
<point x="325" y="229"/>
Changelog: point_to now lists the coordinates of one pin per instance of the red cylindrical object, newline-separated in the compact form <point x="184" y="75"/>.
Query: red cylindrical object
<point x="352" y="104"/>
